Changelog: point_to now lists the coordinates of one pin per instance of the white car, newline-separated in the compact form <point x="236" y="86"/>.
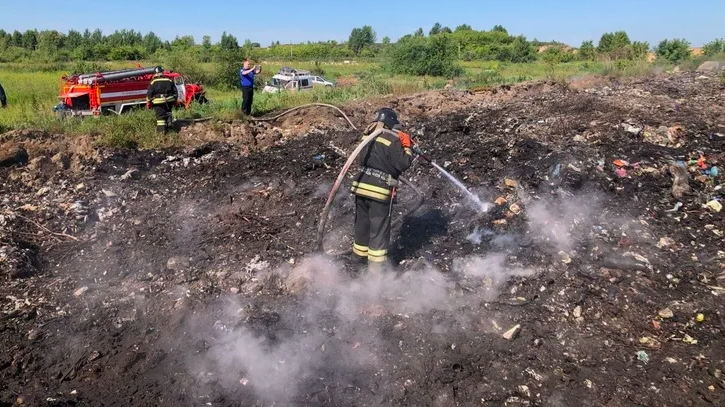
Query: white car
<point x="318" y="80"/>
<point x="289" y="79"/>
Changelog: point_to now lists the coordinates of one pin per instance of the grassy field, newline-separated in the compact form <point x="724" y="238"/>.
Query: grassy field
<point x="32" y="93"/>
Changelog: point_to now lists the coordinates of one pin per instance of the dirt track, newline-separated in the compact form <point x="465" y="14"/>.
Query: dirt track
<point x="186" y="277"/>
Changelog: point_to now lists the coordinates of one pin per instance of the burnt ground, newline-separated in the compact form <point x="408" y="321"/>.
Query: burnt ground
<point x="188" y="276"/>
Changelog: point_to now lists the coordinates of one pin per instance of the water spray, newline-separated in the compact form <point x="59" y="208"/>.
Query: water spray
<point x="482" y="207"/>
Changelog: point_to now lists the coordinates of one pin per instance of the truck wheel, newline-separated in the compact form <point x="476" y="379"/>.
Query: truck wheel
<point x="201" y="99"/>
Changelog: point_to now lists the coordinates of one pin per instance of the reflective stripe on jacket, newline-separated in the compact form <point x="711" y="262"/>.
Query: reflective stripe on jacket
<point x="382" y="161"/>
<point x="161" y="90"/>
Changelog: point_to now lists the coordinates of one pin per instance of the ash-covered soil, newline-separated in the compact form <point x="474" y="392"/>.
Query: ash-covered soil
<point x="188" y="277"/>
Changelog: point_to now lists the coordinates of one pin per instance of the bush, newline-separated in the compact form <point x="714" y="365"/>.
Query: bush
<point x="714" y="47"/>
<point x="88" y="67"/>
<point x="185" y="63"/>
<point x="229" y="62"/>
<point x="434" y="56"/>
<point x="674" y="51"/>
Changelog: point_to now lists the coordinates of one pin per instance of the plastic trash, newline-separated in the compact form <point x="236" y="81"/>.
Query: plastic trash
<point x="642" y="356"/>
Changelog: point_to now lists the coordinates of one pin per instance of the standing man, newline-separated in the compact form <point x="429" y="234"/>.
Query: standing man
<point x="161" y="95"/>
<point x="3" y="99"/>
<point x="383" y="161"/>
<point x="246" y="78"/>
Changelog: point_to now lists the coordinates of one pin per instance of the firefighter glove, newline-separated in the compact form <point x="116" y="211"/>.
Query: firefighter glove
<point x="405" y="139"/>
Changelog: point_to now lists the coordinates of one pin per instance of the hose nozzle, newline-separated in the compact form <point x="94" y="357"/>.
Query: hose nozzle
<point x="420" y="153"/>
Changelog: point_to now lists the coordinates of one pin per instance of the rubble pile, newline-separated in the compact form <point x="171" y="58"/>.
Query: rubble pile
<point x="594" y="276"/>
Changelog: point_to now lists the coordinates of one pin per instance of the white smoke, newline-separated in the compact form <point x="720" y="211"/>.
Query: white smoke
<point x="328" y="295"/>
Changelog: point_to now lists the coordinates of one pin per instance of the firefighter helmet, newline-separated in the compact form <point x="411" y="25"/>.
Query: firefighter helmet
<point x="388" y="117"/>
<point x="158" y="70"/>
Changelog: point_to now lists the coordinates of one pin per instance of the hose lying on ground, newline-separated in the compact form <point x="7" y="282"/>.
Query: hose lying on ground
<point x="275" y="117"/>
<point x="341" y="176"/>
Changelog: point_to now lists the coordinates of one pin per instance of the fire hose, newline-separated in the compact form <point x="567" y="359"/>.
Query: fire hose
<point x="275" y="117"/>
<point x="341" y="176"/>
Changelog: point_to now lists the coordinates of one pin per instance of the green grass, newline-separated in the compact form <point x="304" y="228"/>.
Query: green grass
<point x="32" y="91"/>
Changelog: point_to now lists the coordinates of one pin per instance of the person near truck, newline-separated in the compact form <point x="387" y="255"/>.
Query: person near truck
<point x="3" y="98"/>
<point x="246" y="78"/>
<point x="161" y="96"/>
<point x="382" y="161"/>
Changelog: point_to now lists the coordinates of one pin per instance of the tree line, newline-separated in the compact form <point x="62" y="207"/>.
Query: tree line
<point x="465" y="43"/>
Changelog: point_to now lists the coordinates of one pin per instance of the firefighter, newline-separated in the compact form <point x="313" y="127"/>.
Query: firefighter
<point x="161" y="95"/>
<point x="382" y="161"/>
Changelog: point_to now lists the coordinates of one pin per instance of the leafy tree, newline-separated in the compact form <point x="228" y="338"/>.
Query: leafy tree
<point x="386" y="40"/>
<point x="587" y="51"/>
<point x="206" y="49"/>
<point x="30" y="39"/>
<point x="640" y="49"/>
<point x="434" y="55"/>
<point x="674" y="51"/>
<point x="185" y="42"/>
<point x="419" y="33"/>
<point x="435" y="30"/>
<point x="446" y="30"/>
<point x="610" y="42"/>
<point x="552" y="56"/>
<point x="228" y="66"/>
<point x="464" y="27"/>
<point x="499" y="28"/>
<point x="361" y="38"/>
<point x="229" y="42"/>
<point x="17" y="39"/>
<point x="152" y="42"/>
<point x="50" y="41"/>
<point x="523" y="51"/>
<point x="714" y="47"/>
<point x="73" y="40"/>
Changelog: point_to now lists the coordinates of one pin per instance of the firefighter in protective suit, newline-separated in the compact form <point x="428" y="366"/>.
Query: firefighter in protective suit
<point x="382" y="161"/>
<point x="161" y="96"/>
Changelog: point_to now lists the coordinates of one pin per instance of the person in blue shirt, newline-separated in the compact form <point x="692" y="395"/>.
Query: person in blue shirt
<point x="246" y="77"/>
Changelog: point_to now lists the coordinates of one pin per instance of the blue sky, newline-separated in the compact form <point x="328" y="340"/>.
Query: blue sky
<point x="569" y="21"/>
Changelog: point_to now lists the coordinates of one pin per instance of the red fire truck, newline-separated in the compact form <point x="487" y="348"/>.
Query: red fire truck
<point x="118" y="91"/>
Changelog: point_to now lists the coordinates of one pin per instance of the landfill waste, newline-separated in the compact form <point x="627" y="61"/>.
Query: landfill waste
<point x="204" y="269"/>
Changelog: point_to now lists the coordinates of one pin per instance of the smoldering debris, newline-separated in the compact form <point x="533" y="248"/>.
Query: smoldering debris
<point x="334" y="306"/>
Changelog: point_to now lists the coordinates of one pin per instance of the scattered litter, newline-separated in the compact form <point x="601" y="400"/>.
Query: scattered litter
<point x="689" y="339"/>
<point x="565" y="258"/>
<point x="714" y="205"/>
<point x="676" y="208"/>
<point x="500" y="200"/>
<point x="700" y="317"/>
<point x="80" y="291"/>
<point x="666" y="313"/>
<point x="512" y="333"/>
<point x="533" y="374"/>
<point x="621" y="163"/>
<point x="577" y="311"/>
<point x="642" y="356"/>
<point x="516" y="209"/>
<point x="244" y="381"/>
<point x="510" y="183"/>
<point x="621" y="172"/>
<point x="588" y="383"/>
<point x="109" y="194"/>
<point x="670" y="360"/>
<point x="665" y="242"/>
<point x="681" y="182"/>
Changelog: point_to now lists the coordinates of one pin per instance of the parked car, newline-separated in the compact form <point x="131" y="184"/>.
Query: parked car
<point x="289" y="79"/>
<point x="318" y="80"/>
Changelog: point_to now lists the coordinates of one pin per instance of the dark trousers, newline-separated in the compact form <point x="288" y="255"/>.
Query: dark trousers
<point x="247" y="97"/>
<point x="163" y="117"/>
<point x="372" y="229"/>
